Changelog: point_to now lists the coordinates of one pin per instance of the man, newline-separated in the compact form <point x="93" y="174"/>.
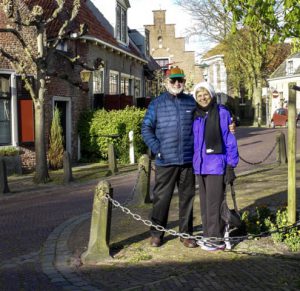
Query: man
<point x="167" y="131"/>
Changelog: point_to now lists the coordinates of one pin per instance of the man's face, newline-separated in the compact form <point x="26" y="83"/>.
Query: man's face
<point x="175" y="85"/>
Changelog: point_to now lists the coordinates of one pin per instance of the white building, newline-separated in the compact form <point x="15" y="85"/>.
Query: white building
<point x="287" y="72"/>
<point x="214" y="72"/>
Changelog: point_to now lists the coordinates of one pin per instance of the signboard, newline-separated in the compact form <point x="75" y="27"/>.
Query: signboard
<point x="275" y="94"/>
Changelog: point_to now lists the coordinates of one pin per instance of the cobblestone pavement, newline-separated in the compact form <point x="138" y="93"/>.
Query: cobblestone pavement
<point x="44" y="229"/>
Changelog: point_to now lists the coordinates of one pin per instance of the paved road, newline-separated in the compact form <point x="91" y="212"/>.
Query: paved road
<point x="29" y="216"/>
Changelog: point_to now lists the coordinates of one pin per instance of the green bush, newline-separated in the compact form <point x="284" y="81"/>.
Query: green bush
<point x="94" y="126"/>
<point x="9" y="151"/>
<point x="263" y="220"/>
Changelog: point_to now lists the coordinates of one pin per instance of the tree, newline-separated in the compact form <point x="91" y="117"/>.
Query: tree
<point x="210" y="20"/>
<point x="56" y="148"/>
<point x="246" y="48"/>
<point x="36" y="55"/>
<point x="280" y="18"/>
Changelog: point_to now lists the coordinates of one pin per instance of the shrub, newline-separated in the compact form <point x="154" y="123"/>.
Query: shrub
<point x="9" y="151"/>
<point x="56" y="147"/>
<point x="265" y="221"/>
<point x="95" y="126"/>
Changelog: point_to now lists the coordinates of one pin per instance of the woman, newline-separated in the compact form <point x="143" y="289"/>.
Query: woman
<point x="215" y="156"/>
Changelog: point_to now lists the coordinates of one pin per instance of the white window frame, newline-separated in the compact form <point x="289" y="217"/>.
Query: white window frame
<point x="98" y="81"/>
<point x="121" y="32"/>
<point x="137" y="87"/>
<point x="116" y="74"/>
<point x="130" y="84"/>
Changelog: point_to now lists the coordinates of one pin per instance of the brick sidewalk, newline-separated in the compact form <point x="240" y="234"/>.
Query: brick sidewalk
<point x="251" y="265"/>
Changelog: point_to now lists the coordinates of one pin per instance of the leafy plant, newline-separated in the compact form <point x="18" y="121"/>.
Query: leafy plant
<point x="96" y="127"/>
<point x="56" y="148"/>
<point x="264" y="220"/>
<point x="9" y="151"/>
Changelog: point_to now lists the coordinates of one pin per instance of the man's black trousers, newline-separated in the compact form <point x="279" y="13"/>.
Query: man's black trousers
<point x="166" y="178"/>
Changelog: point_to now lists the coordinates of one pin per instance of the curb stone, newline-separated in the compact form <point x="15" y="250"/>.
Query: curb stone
<point x="55" y="257"/>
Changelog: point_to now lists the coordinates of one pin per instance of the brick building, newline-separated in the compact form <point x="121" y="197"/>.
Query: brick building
<point x="117" y="77"/>
<point x="169" y="50"/>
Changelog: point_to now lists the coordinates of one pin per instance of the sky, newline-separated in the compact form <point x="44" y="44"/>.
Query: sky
<point x="140" y="14"/>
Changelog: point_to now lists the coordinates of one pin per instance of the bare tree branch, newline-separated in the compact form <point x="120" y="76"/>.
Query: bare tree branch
<point x="20" y="39"/>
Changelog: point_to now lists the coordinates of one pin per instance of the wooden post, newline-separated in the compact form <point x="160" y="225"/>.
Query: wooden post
<point x="142" y="194"/>
<point x="112" y="162"/>
<point x="68" y="177"/>
<point x="281" y="148"/>
<point x="292" y="154"/>
<point x="3" y="177"/>
<point x="98" y="247"/>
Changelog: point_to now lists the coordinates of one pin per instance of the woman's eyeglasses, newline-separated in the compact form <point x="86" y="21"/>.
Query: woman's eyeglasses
<point x="173" y="80"/>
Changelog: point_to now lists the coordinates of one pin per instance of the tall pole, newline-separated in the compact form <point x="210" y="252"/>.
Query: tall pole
<point x="292" y="154"/>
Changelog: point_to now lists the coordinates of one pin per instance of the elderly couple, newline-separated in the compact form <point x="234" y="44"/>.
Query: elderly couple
<point x="188" y="138"/>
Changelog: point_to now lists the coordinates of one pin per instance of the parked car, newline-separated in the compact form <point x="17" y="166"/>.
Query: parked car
<point x="280" y="118"/>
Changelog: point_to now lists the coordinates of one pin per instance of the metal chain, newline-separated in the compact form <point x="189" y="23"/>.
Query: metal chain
<point x="256" y="163"/>
<point x="141" y="167"/>
<point x="198" y="238"/>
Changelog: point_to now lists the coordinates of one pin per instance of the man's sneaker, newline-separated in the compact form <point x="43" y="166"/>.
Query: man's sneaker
<point x="210" y="247"/>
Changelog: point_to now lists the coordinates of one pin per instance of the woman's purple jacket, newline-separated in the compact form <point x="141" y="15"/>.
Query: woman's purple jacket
<point x="214" y="164"/>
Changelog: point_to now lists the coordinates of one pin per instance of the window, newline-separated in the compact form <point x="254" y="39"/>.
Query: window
<point x="137" y="88"/>
<point x="147" y="42"/>
<point x="98" y="81"/>
<point x="62" y="46"/>
<point x="290" y="67"/>
<point x="5" y="110"/>
<point x="126" y="84"/>
<point x="113" y="82"/>
<point x="164" y="63"/>
<point x="121" y="23"/>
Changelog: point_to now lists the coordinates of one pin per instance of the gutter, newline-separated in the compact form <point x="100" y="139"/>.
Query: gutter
<point x="93" y="39"/>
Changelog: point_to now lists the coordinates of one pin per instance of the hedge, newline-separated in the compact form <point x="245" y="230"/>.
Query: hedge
<point x="94" y="126"/>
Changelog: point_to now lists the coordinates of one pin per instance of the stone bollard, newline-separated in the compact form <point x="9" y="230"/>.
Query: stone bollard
<point x="281" y="156"/>
<point x="98" y="247"/>
<point x="68" y="177"/>
<point x="142" y="193"/>
<point x="3" y="177"/>
<point x="112" y="162"/>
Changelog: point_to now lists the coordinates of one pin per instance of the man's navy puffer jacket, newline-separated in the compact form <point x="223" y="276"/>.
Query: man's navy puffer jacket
<point x="167" y="129"/>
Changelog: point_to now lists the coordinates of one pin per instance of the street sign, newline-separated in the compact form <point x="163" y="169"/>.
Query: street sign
<point x="275" y="94"/>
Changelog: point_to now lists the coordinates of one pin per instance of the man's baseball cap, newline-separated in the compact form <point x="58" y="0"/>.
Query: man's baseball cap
<point x="175" y="73"/>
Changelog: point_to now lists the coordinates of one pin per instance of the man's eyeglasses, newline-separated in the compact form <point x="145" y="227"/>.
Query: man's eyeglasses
<point x="173" y="80"/>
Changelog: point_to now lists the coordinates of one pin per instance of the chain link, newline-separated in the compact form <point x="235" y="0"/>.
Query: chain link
<point x="199" y="238"/>
<point x="129" y="199"/>
<point x="260" y="162"/>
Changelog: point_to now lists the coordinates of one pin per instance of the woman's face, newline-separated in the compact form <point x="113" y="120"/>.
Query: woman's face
<point x="203" y="97"/>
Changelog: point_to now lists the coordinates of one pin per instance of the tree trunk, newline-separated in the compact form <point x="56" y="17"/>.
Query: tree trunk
<point x="41" y="169"/>
<point x="257" y="103"/>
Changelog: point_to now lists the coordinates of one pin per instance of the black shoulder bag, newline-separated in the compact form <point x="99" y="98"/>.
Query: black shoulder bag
<point x="230" y="216"/>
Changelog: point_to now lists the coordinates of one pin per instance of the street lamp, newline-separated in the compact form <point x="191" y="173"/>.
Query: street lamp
<point x="85" y="75"/>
